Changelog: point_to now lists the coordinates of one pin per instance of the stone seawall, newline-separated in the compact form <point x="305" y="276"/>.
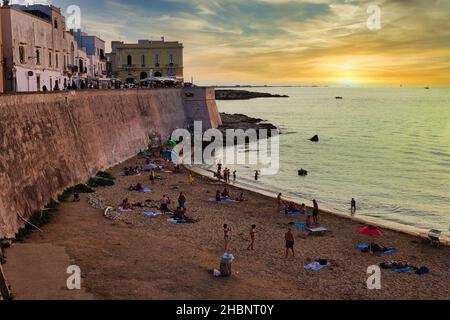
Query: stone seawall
<point x="49" y="142"/>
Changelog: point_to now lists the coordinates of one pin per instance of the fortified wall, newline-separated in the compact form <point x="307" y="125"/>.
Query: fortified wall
<point x="50" y="142"/>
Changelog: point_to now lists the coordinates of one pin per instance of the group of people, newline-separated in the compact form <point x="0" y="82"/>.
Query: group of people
<point x="227" y="237"/>
<point x="225" y="195"/>
<point x="225" y="174"/>
<point x="138" y="187"/>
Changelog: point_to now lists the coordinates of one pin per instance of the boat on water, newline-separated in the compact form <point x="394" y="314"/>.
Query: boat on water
<point x="427" y="88"/>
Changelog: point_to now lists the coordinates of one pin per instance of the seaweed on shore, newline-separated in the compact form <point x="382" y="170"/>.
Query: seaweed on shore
<point x="80" y="188"/>
<point x="100" y="182"/>
<point x="105" y="175"/>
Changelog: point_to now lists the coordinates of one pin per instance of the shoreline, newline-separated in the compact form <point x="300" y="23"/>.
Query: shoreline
<point x="374" y="222"/>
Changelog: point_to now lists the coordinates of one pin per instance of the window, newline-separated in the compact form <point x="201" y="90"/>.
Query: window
<point x="143" y="60"/>
<point x="38" y="57"/>
<point x="56" y="24"/>
<point x="56" y="61"/>
<point x="129" y="60"/>
<point x="49" y="59"/>
<point x="157" y="61"/>
<point x="22" y="54"/>
<point x="170" y="58"/>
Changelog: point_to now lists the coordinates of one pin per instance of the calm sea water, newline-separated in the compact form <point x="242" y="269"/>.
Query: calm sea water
<point x="387" y="148"/>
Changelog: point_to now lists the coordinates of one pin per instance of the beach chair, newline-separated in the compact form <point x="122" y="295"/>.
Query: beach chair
<point x="435" y="237"/>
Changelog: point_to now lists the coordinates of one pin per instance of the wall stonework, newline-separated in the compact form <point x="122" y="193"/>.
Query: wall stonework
<point x="49" y="142"/>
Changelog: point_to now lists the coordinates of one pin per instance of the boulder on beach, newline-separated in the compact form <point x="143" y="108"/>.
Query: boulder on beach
<point x="314" y="139"/>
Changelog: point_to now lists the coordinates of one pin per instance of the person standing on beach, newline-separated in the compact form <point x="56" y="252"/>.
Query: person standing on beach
<point x="316" y="212"/>
<point x="182" y="201"/>
<point x="280" y="201"/>
<point x="191" y="179"/>
<point x="152" y="176"/>
<point x="234" y="176"/>
<point x="353" y="209"/>
<point x="226" y="236"/>
<point x="256" y="175"/>
<point x="252" y="237"/>
<point x="290" y="241"/>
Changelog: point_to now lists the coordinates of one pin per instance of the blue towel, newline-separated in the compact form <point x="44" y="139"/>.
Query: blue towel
<point x="152" y="214"/>
<point x="404" y="269"/>
<point x="300" y="226"/>
<point x="364" y="246"/>
<point x="295" y="213"/>
<point x="147" y="190"/>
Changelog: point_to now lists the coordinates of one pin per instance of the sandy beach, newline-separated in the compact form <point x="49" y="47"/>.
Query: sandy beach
<point x="137" y="257"/>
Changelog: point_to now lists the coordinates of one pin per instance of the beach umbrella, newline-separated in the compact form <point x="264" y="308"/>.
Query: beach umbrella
<point x="171" y="143"/>
<point x="371" y="231"/>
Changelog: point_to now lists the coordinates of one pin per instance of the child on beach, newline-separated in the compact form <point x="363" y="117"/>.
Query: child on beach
<point x="226" y="236"/>
<point x="290" y="241"/>
<point x="191" y="179"/>
<point x="252" y="237"/>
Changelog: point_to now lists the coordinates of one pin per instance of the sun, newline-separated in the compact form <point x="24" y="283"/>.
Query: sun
<point x="348" y="81"/>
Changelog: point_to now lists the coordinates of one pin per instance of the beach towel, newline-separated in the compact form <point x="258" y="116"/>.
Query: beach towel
<point x="295" y="213"/>
<point x="146" y="190"/>
<point x="121" y="209"/>
<point x="222" y="200"/>
<point x="404" y="269"/>
<point x="300" y="225"/>
<point x="152" y="214"/>
<point x="121" y="174"/>
<point x="365" y="246"/>
<point x="316" y="266"/>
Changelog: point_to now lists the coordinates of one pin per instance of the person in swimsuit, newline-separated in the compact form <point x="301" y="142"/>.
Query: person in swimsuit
<point x="182" y="201"/>
<point x="226" y="236"/>
<point x="289" y="237"/>
<point x="164" y="202"/>
<point x="252" y="237"/>
<point x="218" y="196"/>
<point x="353" y="204"/>
<point x="280" y="201"/>
<point x="316" y="212"/>
<point x="225" y="193"/>
<point x="191" y="179"/>
<point x="152" y="177"/>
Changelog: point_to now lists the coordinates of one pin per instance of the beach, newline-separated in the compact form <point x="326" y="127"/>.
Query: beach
<point x="137" y="257"/>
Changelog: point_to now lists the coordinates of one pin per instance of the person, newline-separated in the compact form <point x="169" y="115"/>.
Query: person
<point x="308" y="220"/>
<point x="126" y="205"/>
<point x="225" y="193"/>
<point x="316" y="212"/>
<point x="280" y="201"/>
<point x="234" y="175"/>
<point x="139" y="187"/>
<point x="164" y="204"/>
<point x="152" y="176"/>
<point x="256" y="175"/>
<point x="241" y="198"/>
<point x="182" y="201"/>
<point x="225" y="175"/>
<point x="290" y="241"/>
<point x="76" y="197"/>
<point x="252" y="237"/>
<point x="303" y="209"/>
<point x="191" y="179"/>
<point x="353" y="209"/>
<point x="226" y="236"/>
<point x="218" y="196"/>
<point x="44" y="88"/>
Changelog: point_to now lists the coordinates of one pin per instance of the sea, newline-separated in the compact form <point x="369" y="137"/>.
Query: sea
<point x="389" y="148"/>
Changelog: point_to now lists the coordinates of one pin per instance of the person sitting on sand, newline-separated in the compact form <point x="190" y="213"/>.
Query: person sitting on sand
<point x="164" y="204"/>
<point x="226" y="236"/>
<point x="126" y="205"/>
<point x="218" y="196"/>
<point x="292" y="207"/>
<point x="286" y="208"/>
<point x="225" y="193"/>
<point x="252" y="237"/>
<point x="139" y="188"/>
<point x="375" y="247"/>
<point x="76" y="197"/>
<point x="241" y="198"/>
<point x="290" y="241"/>
<point x="308" y="221"/>
<point x="303" y="209"/>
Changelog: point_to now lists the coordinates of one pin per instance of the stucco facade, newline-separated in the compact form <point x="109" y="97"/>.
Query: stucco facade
<point x="95" y="50"/>
<point x="38" y="51"/>
<point x="133" y="62"/>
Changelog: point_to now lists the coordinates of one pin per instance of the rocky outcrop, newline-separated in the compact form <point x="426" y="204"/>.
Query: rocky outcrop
<point x="244" y="95"/>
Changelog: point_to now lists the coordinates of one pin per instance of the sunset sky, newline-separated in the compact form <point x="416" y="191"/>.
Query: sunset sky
<point x="324" y="42"/>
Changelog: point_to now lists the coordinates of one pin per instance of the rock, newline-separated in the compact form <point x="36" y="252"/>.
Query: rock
<point x="302" y="173"/>
<point x="314" y="139"/>
<point x="244" y="95"/>
<point x="96" y="201"/>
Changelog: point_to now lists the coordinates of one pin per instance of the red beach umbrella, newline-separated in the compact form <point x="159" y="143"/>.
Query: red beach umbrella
<point x="371" y="231"/>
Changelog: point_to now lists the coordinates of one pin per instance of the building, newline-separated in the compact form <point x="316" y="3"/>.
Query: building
<point x="95" y="50"/>
<point x="38" y="52"/>
<point x="133" y="62"/>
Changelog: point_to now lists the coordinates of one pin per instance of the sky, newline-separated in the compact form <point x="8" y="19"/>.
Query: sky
<point x="288" y="42"/>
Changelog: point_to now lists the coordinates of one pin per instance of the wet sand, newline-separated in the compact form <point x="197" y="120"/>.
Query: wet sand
<point x="149" y="258"/>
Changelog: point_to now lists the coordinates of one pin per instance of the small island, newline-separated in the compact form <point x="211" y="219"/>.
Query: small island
<point x="244" y="95"/>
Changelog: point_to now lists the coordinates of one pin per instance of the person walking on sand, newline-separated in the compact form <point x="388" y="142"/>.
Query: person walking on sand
<point x="280" y="201"/>
<point x="234" y="176"/>
<point x="252" y="237"/>
<point x="152" y="177"/>
<point x="353" y="209"/>
<point x="316" y="212"/>
<point x="182" y="201"/>
<point x="226" y="236"/>
<point x="290" y="241"/>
